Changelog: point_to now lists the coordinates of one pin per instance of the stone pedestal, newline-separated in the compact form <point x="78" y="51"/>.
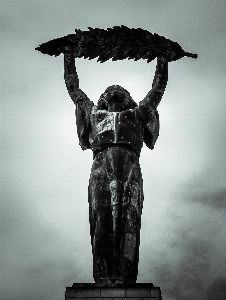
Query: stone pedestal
<point x="120" y="291"/>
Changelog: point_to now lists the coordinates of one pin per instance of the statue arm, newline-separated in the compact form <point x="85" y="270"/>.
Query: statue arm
<point x="72" y="80"/>
<point x="154" y="97"/>
<point x="71" y="76"/>
<point x="148" y="106"/>
<point x="83" y="103"/>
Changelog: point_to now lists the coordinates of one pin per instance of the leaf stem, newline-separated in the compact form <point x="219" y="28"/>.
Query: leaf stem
<point x="188" y="54"/>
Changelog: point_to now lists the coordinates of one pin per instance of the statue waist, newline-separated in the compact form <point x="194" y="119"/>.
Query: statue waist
<point x="128" y="140"/>
<point x="117" y="147"/>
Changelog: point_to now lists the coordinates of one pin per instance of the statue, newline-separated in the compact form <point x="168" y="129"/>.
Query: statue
<point x="115" y="130"/>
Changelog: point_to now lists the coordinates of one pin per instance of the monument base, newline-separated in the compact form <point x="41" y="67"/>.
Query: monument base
<point x="120" y="291"/>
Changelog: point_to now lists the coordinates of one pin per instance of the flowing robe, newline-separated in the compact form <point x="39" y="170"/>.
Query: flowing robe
<point x="115" y="185"/>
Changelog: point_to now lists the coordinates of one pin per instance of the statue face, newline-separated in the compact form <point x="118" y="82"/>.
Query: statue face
<point x="116" y="99"/>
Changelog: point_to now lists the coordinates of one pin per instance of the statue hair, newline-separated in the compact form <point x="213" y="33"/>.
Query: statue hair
<point x="129" y="103"/>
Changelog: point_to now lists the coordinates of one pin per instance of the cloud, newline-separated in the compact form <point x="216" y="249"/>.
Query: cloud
<point x="44" y="244"/>
<point x="37" y="261"/>
<point x="217" y="290"/>
<point x="215" y="199"/>
<point x="190" y="261"/>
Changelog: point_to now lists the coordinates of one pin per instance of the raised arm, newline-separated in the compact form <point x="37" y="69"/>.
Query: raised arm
<point x="71" y="77"/>
<point x="70" y="71"/>
<point x="148" y="106"/>
<point x="72" y="80"/>
<point x="154" y="97"/>
<point x="83" y="104"/>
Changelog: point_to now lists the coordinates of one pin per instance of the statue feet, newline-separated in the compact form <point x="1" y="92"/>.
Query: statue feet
<point x="111" y="280"/>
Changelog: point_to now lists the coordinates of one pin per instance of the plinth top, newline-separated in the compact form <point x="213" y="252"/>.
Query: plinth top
<point x="113" y="285"/>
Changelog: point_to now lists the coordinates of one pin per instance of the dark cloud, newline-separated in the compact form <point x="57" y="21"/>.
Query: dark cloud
<point x="217" y="290"/>
<point x="186" y="277"/>
<point x="193" y="263"/>
<point x="209" y="191"/>
<point x="216" y="199"/>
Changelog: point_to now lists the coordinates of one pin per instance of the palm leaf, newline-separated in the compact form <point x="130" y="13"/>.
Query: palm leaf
<point x="119" y="42"/>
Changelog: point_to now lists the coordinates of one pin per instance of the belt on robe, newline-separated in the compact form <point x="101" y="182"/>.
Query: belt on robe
<point x="108" y="146"/>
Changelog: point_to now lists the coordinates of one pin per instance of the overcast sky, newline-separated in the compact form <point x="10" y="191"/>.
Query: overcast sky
<point x="45" y="237"/>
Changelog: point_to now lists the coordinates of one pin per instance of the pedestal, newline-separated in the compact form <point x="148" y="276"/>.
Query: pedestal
<point x="119" y="291"/>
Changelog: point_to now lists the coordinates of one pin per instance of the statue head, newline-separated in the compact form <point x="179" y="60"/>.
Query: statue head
<point x="116" y="99"/>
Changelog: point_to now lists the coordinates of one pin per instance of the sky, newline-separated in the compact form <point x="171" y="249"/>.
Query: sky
<point x="45" y="241"/>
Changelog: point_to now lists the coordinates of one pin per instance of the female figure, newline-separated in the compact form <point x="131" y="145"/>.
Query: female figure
<point x="115" y="130"/>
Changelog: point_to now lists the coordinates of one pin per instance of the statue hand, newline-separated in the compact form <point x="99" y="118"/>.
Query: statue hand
<point x="70" y="51"/>
<point x="169" y="56"/>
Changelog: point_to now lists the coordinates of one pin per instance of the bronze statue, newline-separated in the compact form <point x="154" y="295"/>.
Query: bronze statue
<point x="115" y="130"/>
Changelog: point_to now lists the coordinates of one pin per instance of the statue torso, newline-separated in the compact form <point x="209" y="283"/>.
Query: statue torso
<point x="116" y="129"/>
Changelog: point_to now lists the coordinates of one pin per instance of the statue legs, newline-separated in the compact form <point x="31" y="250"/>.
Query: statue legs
<point x="115" y="201"/>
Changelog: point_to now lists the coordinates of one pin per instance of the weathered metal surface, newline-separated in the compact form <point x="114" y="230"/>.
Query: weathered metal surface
<point x="116" y="201"/>
<point x="99" y="128"/>
<point x="115" y="130"/>
<point x="116" y="186"/>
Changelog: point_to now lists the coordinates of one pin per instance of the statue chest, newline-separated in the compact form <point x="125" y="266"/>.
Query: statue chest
<point x="111" y="128"/>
